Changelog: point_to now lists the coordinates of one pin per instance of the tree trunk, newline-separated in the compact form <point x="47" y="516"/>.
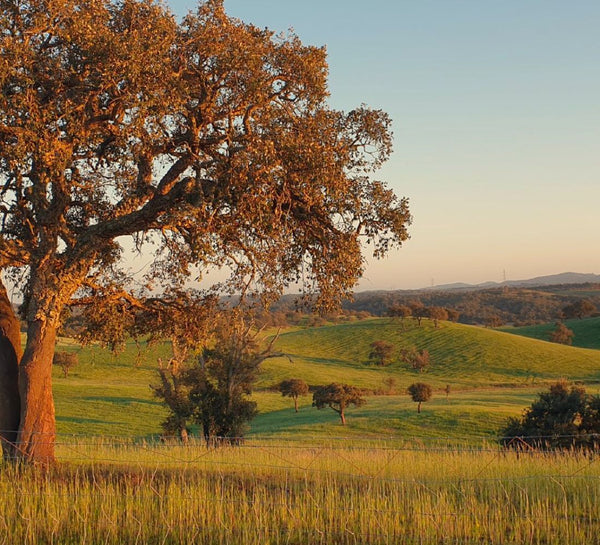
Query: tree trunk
<point x="419" y="407"/>
<point x="296" y="403"/>
<point x="10" y="354"/>
<point x="37" y="427"/>
<point x="343" y="418"/>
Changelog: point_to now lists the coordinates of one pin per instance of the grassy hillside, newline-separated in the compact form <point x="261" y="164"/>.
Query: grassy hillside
<point x="587" y="332"/>
<point x="108" y="394"/>
<point x="467" y="417"/>
<point x="464" y="356"/>
<point x="491" y="374"/>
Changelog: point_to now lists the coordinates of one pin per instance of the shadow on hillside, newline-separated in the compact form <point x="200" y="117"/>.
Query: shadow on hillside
<point x="80" y="420"/>
<point x="309" y="359"/>
<point x="368" y="420"/>
<point x="286" y="419"/>
<point x="397" y="417"/>
<point x="122" y="400"/>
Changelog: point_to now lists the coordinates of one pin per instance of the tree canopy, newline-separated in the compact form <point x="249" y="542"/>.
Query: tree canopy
<point x="213" y="388"/>
<point x="338" y="397"/>
<point x="579" y="309"/>
<point x="419" y="392"/>
<point x="382" y="353"/>
<point x="417" y="359"/>
<point x="561" y="334"/>
<point x="437" y="314"/>
<point x="294" y="388"/>
<point x="209" y="143"/>
<point x="562" y="417"/>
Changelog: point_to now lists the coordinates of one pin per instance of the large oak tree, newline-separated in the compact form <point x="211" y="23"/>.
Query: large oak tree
<point x="208" y="142"/>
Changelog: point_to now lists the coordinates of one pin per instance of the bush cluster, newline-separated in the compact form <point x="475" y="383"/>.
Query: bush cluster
<point x="563" y="417"/>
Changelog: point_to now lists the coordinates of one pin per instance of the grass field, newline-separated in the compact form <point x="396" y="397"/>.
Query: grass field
<point x="465" y="356"/>
<point x="586" y="332"/>
<point x="300" y="492"/>
<point x="491" y="375"/>
<point x="391" y="476"/>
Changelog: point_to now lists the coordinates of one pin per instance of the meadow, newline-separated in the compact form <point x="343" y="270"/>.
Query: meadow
<point x="586" y="332"/>
<point x="301" y="492"/>
<point x="491" y="374"/>
<point x="389" y="476"/>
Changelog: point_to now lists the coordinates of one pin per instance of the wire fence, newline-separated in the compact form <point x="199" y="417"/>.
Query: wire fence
<point x="284" y="453"/>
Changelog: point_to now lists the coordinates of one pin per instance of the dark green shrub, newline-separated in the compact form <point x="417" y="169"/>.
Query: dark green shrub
<point x="562" y="417"/>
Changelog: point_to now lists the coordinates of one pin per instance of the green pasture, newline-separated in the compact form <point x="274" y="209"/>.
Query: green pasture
<point x="462" y="356"/>
<point x="491" y="375"/>
<point x="467" y="417"/>
<point x="586" y="332"/>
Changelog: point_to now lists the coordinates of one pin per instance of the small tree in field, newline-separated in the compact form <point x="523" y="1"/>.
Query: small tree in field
<point x="66" y="360"/>
<point x="407" y="355"/>
<point x="294" y="388"/>
<point x="390" y="384"/>
<point x="400" y="311"/>
<point x="225" y="376"/>
<point x="447" y="389"/>
<point x="174" y="391"/>
<point x="184" y="320"/>
<point x="381" y="353"/>
<point x="453" y="314"/>
<point x="213" y="388"/>
<point x="437" y="314"/>
<point x="421" y="361"/>
<point x="562" y="334"/>
<point x="419" y="311"/>
<point x="338" y="397"/>
<point x="419" y="392"/>
<point x="417" y="359"/>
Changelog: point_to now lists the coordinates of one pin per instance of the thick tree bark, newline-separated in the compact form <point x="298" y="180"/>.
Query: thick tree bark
<point x="10" y="354"/>
<point x="37" y="430"/>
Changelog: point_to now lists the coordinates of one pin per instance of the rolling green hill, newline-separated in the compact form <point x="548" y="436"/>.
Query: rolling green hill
<point x="587" y="332"/>
<point x="491" y="375"/>
<point x="465" y="356"/>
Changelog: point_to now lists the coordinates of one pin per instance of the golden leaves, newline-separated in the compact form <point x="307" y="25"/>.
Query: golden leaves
<point x="213" y="134"/>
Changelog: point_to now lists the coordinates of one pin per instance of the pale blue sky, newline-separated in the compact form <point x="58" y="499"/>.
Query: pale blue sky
<point x="496" y="109"/>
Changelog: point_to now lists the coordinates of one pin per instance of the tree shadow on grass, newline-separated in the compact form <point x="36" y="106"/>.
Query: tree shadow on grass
<point x="287" y="419"/>
<point x="326" y="361"/>
<point x="80" y="420"/>
<point x="122" y="400"/>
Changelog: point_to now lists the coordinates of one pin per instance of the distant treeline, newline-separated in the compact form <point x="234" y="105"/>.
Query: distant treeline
<point x="491" y="307"/>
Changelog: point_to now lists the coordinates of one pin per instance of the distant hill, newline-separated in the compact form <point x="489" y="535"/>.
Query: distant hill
<point x="549" y="280"/>
<point x="533" y="302"/>
<point x="518" y="302"/>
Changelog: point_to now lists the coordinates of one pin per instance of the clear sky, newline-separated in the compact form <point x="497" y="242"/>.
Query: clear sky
<point x="496" y="110"/>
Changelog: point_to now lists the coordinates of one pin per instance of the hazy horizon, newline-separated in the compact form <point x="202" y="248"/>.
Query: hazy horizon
<point x="496" y="121"/>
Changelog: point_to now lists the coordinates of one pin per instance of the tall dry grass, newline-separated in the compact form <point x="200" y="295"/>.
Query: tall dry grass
<point x="267" y="492"/>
